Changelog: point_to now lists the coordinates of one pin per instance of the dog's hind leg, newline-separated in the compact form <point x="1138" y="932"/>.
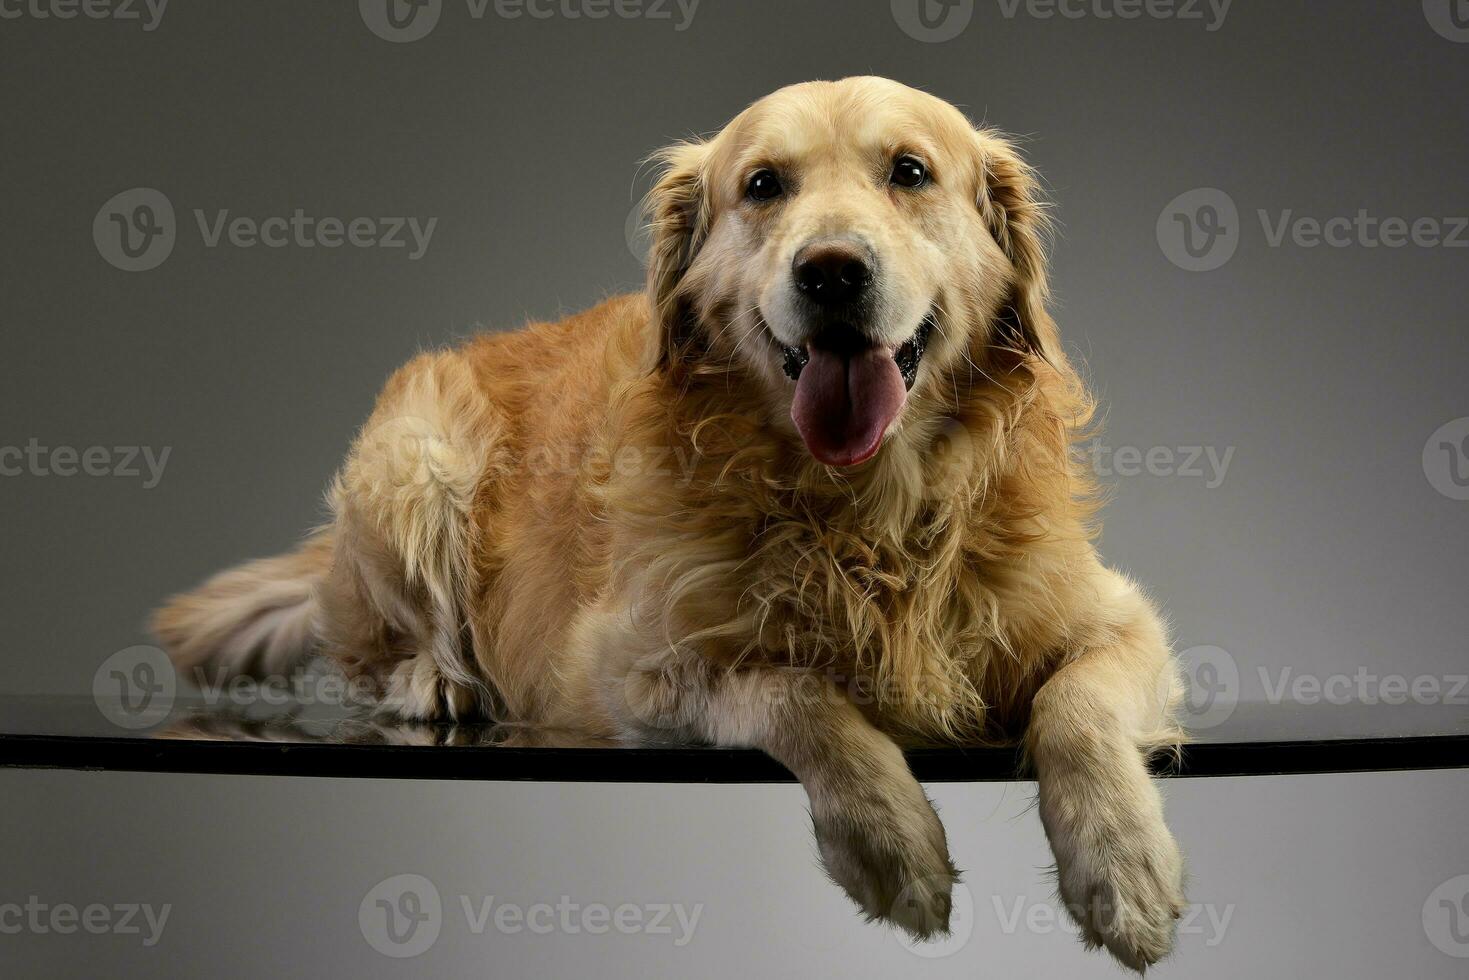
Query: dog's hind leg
<point x="395" y="604"/>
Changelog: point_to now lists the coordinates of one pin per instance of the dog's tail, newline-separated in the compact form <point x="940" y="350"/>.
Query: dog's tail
<point x="258" y="619"/>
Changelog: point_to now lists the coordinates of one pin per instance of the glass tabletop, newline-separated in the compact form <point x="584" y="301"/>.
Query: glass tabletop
<point x="296" y="736"/>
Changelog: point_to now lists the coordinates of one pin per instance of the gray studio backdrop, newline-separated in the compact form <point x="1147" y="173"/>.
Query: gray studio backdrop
<point x="1262" y="267"/>
<point x="1276" y="385"/>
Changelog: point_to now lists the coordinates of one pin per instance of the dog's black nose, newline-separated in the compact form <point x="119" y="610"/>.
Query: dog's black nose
<point x="832" y="273"/>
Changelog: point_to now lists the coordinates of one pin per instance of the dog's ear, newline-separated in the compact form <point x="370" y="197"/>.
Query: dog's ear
<point x="677" y="209"/>
<point x="1011" y="204"/>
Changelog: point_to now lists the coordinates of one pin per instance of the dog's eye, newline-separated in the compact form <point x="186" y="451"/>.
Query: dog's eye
<point x="908" y="172"/>
<point x="763" y="186"/>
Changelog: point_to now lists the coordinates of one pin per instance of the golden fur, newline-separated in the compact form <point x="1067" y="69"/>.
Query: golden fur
<point x="609" y="523"/>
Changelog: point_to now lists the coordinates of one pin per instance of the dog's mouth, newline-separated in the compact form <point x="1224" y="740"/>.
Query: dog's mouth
<point x="849" y="389"/>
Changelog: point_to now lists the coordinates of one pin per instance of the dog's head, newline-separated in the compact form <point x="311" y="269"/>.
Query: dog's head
<point x="847" y="243"/>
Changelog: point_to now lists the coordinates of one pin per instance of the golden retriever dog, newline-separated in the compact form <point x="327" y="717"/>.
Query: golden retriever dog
<point x="814" y="492"/>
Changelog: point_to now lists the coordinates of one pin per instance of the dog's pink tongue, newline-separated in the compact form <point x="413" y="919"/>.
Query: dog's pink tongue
<point x="845" y="402"/>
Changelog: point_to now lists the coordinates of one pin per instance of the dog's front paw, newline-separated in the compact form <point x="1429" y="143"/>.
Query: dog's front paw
<point x="1121" y="879"/>
<point x="890" y="855"/>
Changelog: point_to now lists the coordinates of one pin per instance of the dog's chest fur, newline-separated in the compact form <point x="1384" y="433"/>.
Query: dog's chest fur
<point x="921" y="611"/>
<point x="934" y="601"/>
<point x="924" y="619"/>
